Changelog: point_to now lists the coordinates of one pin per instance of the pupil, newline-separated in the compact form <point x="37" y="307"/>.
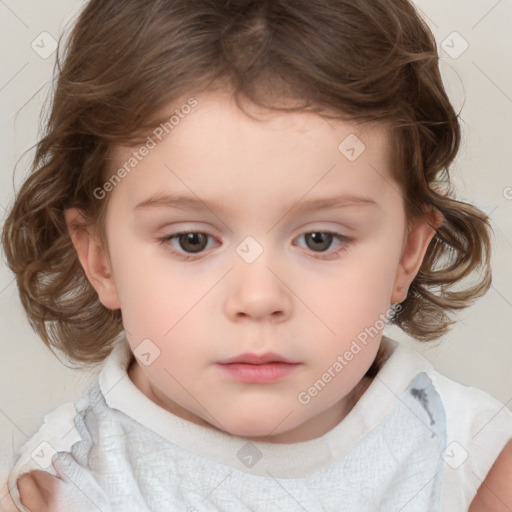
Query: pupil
<point x="193" y="240"/>
<point x="322" y="238"/>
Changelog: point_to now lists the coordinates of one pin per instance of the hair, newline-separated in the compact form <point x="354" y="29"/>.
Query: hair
<point x="364" y="61"/>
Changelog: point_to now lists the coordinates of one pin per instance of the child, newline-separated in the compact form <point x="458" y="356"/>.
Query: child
<point x="196" y="153"/>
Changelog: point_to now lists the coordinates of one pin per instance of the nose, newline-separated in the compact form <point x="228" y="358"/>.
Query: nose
<point x="258" y="292"/>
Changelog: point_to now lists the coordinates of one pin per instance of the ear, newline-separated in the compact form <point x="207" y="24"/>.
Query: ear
<point x="413" y="251"/>
<point x="93" y="257"/>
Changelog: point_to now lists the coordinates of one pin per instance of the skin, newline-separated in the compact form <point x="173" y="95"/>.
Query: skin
<point x="302" y="303"/>
<point x="291" y="300"/>
<point x="495" y="492"/>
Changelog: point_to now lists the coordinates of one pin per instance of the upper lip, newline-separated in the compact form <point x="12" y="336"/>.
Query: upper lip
<point x="249" y="358"/>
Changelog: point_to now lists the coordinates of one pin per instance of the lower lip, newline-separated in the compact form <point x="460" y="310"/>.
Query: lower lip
<point x="258" y="373"/>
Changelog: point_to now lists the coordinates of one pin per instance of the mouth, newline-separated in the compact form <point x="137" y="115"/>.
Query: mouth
<point x="258" y="369"/>
<point x="249" y="358"/>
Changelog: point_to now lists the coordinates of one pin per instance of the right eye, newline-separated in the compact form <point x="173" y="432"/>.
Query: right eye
<point x="190" y="242"/>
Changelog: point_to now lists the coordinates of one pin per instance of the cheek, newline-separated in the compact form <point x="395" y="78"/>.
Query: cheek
<point x="350" y="307"/>
<point x="143" y="288"/>
<point x="161" y="302"/>
<point x="355" y="293"/>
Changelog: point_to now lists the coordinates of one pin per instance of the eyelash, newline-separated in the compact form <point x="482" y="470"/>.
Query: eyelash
<point x="166" y="243"/>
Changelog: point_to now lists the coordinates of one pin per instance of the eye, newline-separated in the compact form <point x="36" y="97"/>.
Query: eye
<point x="319" y="241"/>
<point x="190" y="242"/>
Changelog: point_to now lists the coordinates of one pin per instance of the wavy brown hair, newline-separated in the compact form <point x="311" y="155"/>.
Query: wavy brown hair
<point x="363" y="61"/>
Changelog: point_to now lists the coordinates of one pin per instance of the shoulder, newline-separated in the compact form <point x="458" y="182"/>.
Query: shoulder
<point x="478" y="447"/>
<point x="33" y="479"/>
<point x="495" y="493"/>
<point x="38" y="490"/>
<point x="473" y="415"/>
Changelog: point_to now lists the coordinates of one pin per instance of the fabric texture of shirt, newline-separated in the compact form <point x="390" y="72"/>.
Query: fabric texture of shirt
<point x="416" y="441"/>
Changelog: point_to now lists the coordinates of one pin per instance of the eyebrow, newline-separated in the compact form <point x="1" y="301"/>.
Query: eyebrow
<point x="189" y="203"/>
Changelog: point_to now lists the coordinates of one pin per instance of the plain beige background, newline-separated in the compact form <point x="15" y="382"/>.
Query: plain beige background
<point x="478" y="350"/>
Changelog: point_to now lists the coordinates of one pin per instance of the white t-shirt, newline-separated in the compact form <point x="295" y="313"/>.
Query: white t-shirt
<point x="416" y="441"/>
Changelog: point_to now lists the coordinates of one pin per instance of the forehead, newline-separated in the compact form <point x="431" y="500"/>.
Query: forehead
<point x="217" y="119"/>
<point x="216" y="148"/>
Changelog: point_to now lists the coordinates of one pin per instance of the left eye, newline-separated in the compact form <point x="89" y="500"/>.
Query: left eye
<point x="319" y="241"/>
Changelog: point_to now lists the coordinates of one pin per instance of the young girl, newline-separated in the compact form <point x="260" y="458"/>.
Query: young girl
<point x="231" y="200"/>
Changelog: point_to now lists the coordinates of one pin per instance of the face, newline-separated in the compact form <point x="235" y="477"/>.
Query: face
<point x="282" y="241"/>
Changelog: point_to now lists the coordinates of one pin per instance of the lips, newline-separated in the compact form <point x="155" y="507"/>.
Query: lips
<point x="249" y="358"/>
<point x="258" y="368"/>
